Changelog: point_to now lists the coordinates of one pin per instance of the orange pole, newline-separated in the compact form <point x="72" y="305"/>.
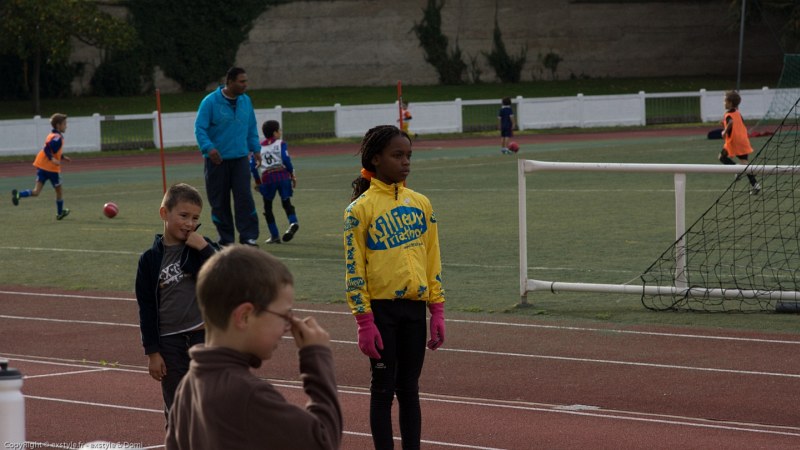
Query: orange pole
<point x="161" y="141"/>
<point x="400" y="102"/>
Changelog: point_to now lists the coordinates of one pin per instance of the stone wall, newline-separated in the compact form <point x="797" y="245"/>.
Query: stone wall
<point x="371" y="42"/>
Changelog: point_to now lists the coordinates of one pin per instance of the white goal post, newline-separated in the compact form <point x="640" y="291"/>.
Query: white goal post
<point x="679" y="171"/>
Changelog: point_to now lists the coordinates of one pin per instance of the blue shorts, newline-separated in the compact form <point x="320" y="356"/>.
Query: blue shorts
<point x="506" y="132"/>
<point x="283" y="187"/>
<point x="43" y="176"/>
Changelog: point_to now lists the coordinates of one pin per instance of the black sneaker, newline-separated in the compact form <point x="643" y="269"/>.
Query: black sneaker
<point x="250" y="242"/>
<point x="290" y="232"/>
<point x="64" y="213"/>
<point x="273" y="240"/>
<point x="15" y="197"/>
<point x="755" y="189"/>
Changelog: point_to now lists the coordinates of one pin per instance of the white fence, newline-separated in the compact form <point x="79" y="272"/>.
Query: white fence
<point x="84" y="133"/>
<point x="679" y="172"/>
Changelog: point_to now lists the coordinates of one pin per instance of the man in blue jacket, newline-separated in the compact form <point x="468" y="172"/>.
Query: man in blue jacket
<point x="227" y="133"/>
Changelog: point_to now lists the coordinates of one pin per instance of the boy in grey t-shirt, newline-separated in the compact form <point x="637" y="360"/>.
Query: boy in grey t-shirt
<point x="169" y="317"/>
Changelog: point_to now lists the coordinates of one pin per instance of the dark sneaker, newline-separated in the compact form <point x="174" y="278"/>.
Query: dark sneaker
<point x="755" y="189"/>
<point x="250" y="242"/>
<point x="290" y="232"/>
<point x="15" y="197"/>
<point x="64" y="213"/>
<point x="273" y="240"/>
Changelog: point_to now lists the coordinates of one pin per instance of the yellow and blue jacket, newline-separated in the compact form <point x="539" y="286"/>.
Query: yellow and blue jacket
<point x="391" y="244"/>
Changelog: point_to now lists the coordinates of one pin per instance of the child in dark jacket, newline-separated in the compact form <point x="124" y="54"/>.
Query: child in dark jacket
<point x="169" y="318"/>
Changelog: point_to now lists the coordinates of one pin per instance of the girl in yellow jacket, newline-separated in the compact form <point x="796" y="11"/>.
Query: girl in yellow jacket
<point x="393" y="272"/>
<point x="735" y="134"/>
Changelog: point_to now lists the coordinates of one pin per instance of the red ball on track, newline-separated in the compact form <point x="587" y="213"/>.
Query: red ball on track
<point x="514" y="147"/>
<point x="110" y="210"/>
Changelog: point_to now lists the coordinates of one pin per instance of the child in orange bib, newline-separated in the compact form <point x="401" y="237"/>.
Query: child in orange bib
<point x="48" y="166"/>
<point x="737" y="144"/>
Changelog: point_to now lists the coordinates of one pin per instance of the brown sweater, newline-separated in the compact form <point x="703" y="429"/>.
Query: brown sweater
<point x="221" y="404"/>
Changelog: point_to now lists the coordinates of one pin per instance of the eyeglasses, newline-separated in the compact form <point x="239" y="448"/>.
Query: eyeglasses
<point x="286" y="317"/>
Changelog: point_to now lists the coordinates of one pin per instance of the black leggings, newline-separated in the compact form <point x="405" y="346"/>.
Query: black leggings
<point x="403" y="331"/>
<point x="285" y="203"/>
<point x="725" y="159"/>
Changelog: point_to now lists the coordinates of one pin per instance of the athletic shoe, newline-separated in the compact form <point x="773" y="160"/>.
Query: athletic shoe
<point x="273" y="240"/>
<point x="755" y="189"/>
<point x="64" y="213"/>
<point x="505" y="151"/>
<point x="290" y="232"/>
<point x="251" y="242"/>
<point x="15" y="197"/>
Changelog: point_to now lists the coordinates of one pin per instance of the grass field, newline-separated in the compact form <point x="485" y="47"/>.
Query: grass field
<point x="604" y="228"/>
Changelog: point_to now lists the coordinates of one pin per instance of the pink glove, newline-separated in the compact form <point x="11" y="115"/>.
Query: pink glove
<point x="437" y="325"/>
<point x="369" y="338"/>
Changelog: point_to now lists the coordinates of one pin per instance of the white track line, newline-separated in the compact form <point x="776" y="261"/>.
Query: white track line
<point x="47" y="360"/>
<point x="81" y="322"/>
<point x="595" y="412"/>
<point x="479" y="322"/>
<point x="159" y="411"/>
<point x="61" y="374"/>
<point x="523" y="406"/>
<point x="614" y="330"/>
<point x="93" y="369"/>
<point x="489" y="353"/>
<point x="624" y="363"/>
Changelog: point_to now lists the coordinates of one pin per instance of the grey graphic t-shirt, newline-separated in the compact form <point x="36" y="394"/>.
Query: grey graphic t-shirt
<point x="178" y="311"/>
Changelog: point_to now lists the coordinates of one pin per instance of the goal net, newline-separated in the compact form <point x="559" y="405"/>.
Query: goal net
<point x="783" y="98"/>
<point x="744" y="245"/>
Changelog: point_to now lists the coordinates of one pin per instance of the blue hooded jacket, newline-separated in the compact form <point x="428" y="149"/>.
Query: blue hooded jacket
<point x="231" y="130"/>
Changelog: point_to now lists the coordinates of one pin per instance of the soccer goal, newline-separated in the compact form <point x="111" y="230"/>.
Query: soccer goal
<point x="783" y="98"/>
<point x="742" y="254"/>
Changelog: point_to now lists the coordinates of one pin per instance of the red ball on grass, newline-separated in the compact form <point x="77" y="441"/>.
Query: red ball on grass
<point x="110" y="210"/>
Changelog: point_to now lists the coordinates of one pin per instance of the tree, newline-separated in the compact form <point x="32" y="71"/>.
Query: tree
<point x="550" y="61"/>
<point x="39" y="32"/>
<point x="194" y="41"/>
<point x="449" y="65"/>
<point x="785" y="12"/>
<point x="507" y="68"/>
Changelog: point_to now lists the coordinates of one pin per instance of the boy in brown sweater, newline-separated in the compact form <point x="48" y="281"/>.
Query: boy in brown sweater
<point x="245" y="296"/>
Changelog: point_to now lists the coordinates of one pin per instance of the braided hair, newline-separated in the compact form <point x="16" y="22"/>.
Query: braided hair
<point x="373" y="143"/>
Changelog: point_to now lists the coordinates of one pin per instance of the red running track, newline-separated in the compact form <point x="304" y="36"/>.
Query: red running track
<point x="111" y="160"/>
<point x="499" y="382"/>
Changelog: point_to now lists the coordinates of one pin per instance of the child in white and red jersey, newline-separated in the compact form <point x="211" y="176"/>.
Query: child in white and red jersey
<point x="275" y="175"/>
